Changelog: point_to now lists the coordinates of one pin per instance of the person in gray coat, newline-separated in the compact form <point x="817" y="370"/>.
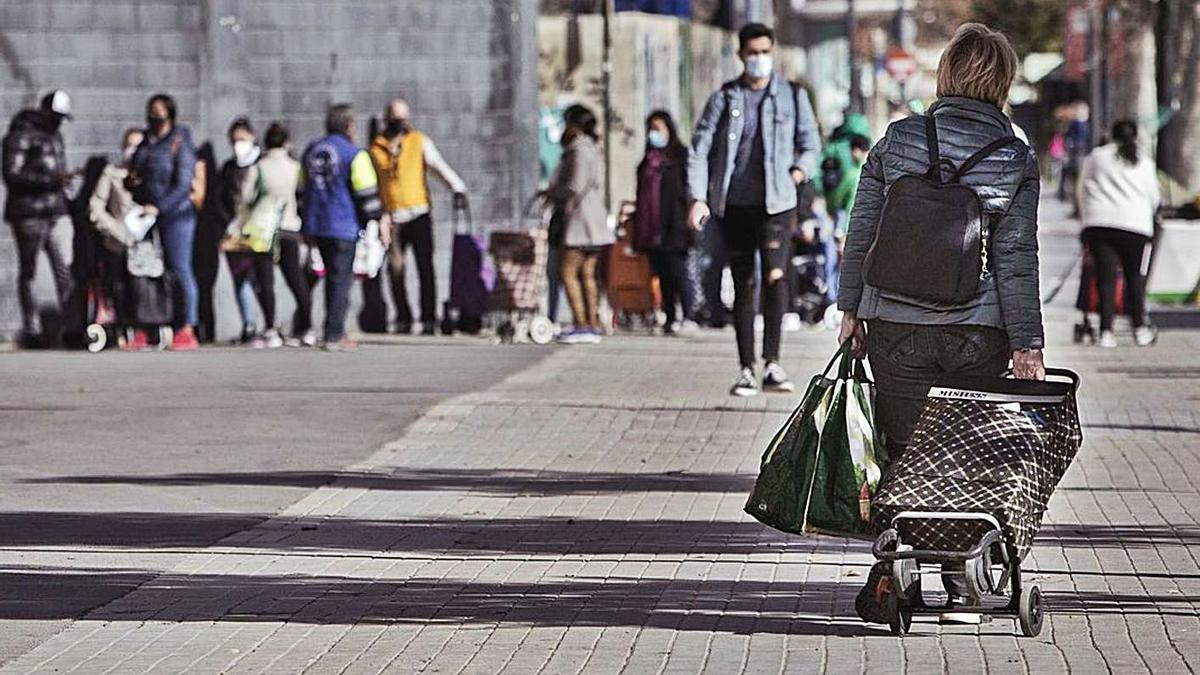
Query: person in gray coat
<point x="911" y="343"/>
<point x="755" y="142"/>
<point x="579" y="226"/>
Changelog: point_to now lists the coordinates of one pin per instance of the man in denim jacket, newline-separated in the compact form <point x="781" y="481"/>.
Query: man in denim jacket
<point x="756" y="141"/>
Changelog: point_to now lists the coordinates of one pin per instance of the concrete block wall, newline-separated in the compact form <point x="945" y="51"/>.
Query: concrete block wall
<point x="468" y="67"/>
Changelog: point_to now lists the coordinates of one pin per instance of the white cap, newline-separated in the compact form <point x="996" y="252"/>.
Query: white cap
<point x="57" y="102"/>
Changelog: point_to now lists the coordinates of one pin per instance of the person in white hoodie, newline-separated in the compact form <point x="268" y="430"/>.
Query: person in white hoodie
<point x="1118" y="194"/>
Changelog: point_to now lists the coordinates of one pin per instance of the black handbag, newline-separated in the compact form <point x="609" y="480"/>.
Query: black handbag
<point x="930" y="245"/>
<point x="151" y="300"/>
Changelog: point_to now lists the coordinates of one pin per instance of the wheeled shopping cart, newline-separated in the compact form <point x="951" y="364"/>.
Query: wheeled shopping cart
<point x="969" y="492"/>
<point x="520" y="258"/>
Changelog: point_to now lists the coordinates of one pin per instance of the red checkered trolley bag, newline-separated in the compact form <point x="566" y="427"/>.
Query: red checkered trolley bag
<point x="520" y="257"/>
<point x="969" y="491"/>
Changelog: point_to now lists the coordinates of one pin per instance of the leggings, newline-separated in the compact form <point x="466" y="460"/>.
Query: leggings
<point x="1111" y="248"/>
<point x="299" y="282"/>
<point x="671" y="269"/>
<point x="583" y="291"/>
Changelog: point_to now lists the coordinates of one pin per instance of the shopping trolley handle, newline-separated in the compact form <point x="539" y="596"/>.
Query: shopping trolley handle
<point x="1064" y="373"/>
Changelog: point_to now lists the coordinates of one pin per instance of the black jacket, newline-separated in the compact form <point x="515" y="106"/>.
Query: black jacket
<point x="1008" y="184"/>
<point x="229" y="190"/>
<point x="672" y="233"/>
<point x="35" y="164"/>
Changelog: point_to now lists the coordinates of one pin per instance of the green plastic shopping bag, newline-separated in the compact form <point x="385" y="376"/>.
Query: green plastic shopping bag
<point x="823" y="466"/>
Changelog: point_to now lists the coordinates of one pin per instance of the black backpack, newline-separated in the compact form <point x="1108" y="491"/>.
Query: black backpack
<point x="930" y="244"/>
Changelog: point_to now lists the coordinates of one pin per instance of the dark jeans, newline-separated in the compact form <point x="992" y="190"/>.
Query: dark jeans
<point x="714" y="258"/>
<point x="418" y="234"/>
<point x="56" y="237"/>
<point x="1112" y="248"/>
<point x="338" y="256"/>
<point x="906" y="360"/>
<point x="671" y="269"/>
<point x="299" y="282"/>
<point x="258" y="270"/>
<point x="554" y="283"/>
<point x="751" y="234"/>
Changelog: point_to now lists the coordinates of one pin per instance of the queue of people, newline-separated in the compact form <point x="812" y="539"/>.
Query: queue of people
<point x="302" y="216"/>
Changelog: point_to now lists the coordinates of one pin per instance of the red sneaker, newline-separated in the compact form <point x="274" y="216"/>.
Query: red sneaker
<point x="140" y="342"/>
<point x="185" y="340"/>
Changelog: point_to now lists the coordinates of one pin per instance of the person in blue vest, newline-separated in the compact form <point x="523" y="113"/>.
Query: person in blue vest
<point x="340" y="195"/>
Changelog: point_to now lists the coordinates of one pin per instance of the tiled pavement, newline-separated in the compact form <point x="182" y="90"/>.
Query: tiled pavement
<point x="585" y="516"/>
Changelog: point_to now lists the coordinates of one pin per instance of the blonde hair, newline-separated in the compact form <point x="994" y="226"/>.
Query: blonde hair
<point x="978" y="63"/>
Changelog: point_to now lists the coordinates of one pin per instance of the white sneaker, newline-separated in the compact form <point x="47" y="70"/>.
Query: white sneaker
<point x="775" y="378"/>
<point x="791" y="323"/>
<point x="272" y="339"/>
<point x="1108" y="339"/>
<point x="1144" y="336"/>
<point x="961" y="618"/>
<point x="746" y="384"/>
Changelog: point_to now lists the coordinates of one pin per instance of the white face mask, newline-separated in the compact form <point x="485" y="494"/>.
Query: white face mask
<point x="657" y="139"/>
<point x="245" y="152"/>
<point x="760" y="66"/>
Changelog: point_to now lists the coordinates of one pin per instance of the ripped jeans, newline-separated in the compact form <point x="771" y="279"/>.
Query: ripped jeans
<point x="754" y="240"/>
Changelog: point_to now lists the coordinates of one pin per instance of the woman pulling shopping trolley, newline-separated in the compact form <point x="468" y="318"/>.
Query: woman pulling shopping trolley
<point x="956" y="190"/>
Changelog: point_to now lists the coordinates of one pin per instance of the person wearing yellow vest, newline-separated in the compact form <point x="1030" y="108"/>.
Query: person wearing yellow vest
<point x="403" y="158"/>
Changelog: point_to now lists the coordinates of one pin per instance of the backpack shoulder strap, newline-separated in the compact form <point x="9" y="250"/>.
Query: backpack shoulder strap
<point x="931" y="140"/>
<point x="970" y="162"/>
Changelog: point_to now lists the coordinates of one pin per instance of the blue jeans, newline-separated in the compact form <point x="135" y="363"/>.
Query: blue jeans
<point x="338" y="256"/>
<point x="178" y="237"/>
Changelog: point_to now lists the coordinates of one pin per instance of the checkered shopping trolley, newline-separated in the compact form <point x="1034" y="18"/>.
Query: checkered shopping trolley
<point x="970" y="490"/>
<point x="520" y="257"/>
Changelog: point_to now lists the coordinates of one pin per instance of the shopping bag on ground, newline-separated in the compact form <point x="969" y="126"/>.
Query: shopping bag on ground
<point x="823" y="466"/>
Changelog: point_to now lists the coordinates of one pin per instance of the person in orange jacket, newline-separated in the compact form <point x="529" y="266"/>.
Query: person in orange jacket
<point x="403" y="158"/>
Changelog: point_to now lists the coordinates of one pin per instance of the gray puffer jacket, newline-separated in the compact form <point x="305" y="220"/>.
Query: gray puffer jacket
<point x="1007" y="182"/>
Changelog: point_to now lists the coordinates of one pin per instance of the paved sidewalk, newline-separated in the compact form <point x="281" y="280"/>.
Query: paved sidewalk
<point x="585" y="516"/>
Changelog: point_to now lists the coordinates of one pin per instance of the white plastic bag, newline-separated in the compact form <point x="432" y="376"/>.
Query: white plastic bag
<point x="369" y="252"/>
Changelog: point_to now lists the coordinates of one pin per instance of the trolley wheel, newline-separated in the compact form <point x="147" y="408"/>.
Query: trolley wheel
<point x="97" y="338"/>
<point x="899" y="612"/>
<point x="1030" y="611"/>
<point x="521" y="330"/>
<point x="541" y="330"/>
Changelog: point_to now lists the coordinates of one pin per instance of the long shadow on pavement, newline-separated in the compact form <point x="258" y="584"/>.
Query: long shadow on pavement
<point x="1081" y="535"/>
<point x="552" y="536"/>
<point x="739" y="607"/>
<point x="484" y="536"/>
<point x="490" y="481"/>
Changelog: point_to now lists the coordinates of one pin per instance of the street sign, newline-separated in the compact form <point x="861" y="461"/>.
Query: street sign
<point x="900" y="64"/>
